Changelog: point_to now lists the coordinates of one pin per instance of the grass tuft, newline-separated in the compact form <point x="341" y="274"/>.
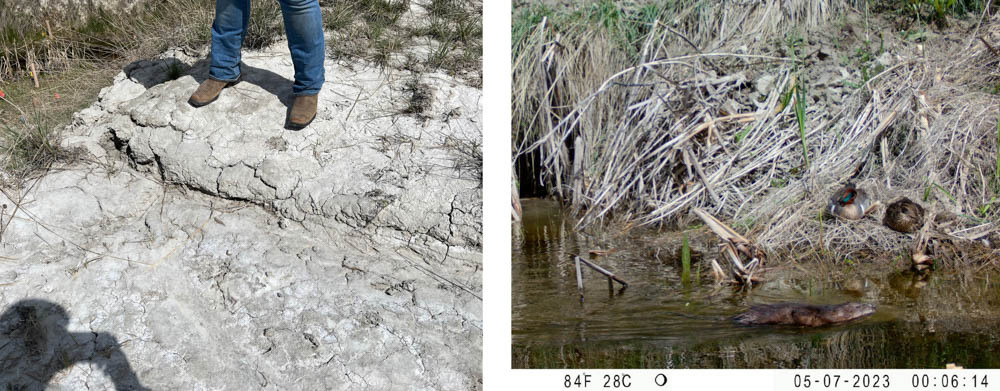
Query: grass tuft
<point x="266" y="26"/>
<point x="442" y="35"/>
<point x="420" y="98"/>
<point x="27" y="147"/>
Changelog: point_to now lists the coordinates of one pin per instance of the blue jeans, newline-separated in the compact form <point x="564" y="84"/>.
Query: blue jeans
<point x="303" y="25"/>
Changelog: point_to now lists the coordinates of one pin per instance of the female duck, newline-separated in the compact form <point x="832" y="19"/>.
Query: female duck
<point x="904" y="216"/>
<point x="849" y="202"/>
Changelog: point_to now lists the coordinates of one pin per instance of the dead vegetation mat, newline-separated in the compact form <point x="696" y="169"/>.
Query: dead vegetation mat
<point x="756" y="112"/>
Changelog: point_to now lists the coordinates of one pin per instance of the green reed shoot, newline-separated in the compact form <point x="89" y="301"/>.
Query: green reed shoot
<point x="685" y="260"/>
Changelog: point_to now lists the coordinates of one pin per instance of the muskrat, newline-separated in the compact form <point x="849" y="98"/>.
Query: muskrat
<point x="796" y="314"/>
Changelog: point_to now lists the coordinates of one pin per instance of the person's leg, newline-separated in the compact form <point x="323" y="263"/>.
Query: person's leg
<point x="304" y="27"/>
<point x="228" y="31"/>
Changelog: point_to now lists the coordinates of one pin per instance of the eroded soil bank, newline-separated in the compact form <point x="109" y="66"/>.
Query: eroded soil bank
<point x="212" y="249"/>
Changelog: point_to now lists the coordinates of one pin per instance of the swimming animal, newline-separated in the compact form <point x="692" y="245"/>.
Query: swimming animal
<point x="904" y="216"/>
<point x="849" y="202"/>
<point x="796" y="314"/>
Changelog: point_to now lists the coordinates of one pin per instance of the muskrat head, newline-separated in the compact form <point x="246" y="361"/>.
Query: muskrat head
<point x="848" y="311"/>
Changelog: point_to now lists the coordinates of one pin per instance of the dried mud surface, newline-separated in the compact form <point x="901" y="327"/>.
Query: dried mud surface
<point x="217" y="250"/>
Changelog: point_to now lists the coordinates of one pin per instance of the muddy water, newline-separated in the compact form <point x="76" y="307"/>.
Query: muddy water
<point x="660" y="321"/>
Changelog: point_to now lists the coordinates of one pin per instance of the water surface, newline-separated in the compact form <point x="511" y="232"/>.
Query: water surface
<point x="922" y="321"/>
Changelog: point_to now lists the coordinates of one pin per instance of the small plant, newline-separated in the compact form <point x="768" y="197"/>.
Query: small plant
<point x="800" y="116"/>
<point x="743" y="133"/>
<point x="420" y="98"/>
<point x="799" y="94"/>
<point x="946" y="193"/>
<point x="931" y="11"/>
<point x="985" y="209"/>
<point x="468" y="156"/>
<point x="941" y="9"/>
<point x="745" y="224"/>
<point x="685" y="260"/>
<point x="822" y="246"/>
<point x="338" y="18"/>
<point x="864" y="59"/>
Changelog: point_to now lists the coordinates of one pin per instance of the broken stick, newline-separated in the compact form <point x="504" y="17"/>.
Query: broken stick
<point x="577" y="260"/>
<point x="734" y="245"/>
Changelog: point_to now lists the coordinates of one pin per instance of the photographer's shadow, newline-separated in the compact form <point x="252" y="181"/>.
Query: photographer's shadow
<point x="35" y="345"/>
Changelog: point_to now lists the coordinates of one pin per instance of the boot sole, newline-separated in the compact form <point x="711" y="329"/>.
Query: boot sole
<point x="195" y="103"/>
<point x="294" y="126"/>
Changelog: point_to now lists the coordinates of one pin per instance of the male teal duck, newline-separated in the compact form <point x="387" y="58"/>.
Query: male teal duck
<point x="904" y="216"/>
<point x="849" y="202"/>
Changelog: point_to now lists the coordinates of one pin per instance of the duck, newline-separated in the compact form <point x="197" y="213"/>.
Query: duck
<point x="904" y="216"/>
<point x="849" y="202"/>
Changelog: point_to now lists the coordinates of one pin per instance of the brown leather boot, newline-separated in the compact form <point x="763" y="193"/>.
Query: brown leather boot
<point x="209" y="91"/>
<point x="303" y="112"/>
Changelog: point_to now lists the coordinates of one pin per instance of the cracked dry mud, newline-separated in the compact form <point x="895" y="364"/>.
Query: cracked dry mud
<point x="225" y="252"/>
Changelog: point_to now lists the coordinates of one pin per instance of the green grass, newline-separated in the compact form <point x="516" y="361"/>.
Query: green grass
<point x="447" y="35"/>
<point x="794" y="40"/>
<point x="527" y="19"/>
<point x="800" y="117"/>
<point x="623" y="23"/>
<point x="864" y="59"/>
<point x="984" y="210"/>
<point x="742" y="134"/>
<point x="685" y="260"/>
<point x="929" y="190"/>
<point x="930" y="11"/>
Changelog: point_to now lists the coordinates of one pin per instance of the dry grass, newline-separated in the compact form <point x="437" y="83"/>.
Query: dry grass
<point x="74" y="58"/>
<point x="649" y="111"/>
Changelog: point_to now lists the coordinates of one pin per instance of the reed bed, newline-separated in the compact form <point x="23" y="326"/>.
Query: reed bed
<point x="746" y="111"/>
